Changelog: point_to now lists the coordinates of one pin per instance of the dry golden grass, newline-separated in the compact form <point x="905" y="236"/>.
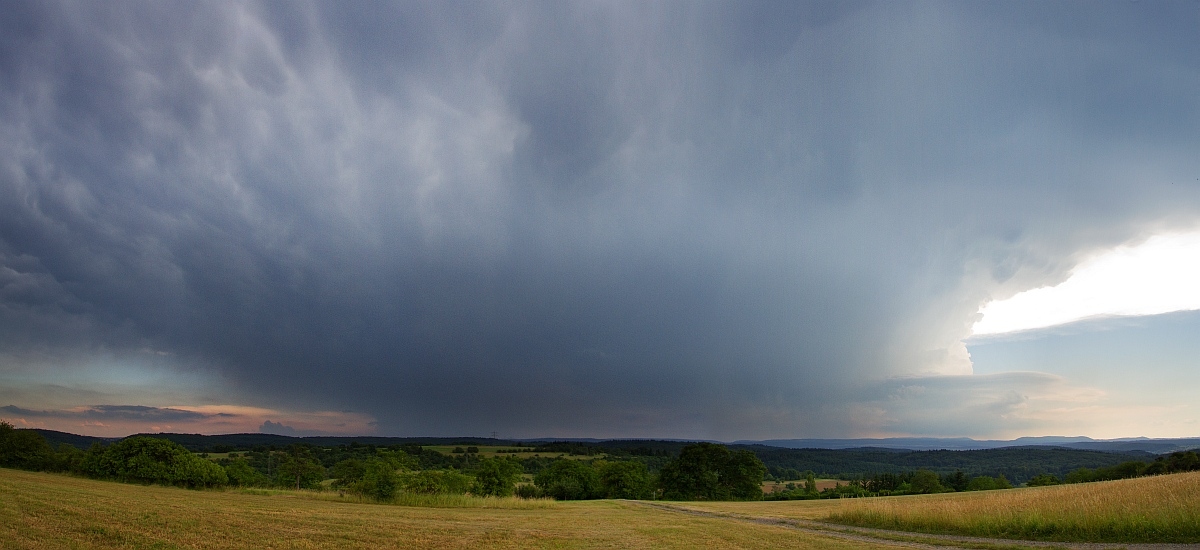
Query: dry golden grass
<point x="1150" y="509"/>
<point x="39" y="510"/>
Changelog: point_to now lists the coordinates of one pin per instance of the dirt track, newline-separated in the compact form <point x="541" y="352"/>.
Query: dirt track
<point x="913" y="540"/>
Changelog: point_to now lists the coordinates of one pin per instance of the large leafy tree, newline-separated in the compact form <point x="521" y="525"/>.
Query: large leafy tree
<point x="300" y="471"/>
<point x="707" y="471"/>
<point x="24" y="449"/>
<point x="379" y="479"/>
<point x="496" y="477"/>
<point x="568" y="479"/>
<point x="241" y="474"/>
<point x="628" y="480"/>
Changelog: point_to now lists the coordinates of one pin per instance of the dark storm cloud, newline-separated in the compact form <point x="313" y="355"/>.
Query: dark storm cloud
<point x="673" y="219"/>
<point x="277" y="428"/>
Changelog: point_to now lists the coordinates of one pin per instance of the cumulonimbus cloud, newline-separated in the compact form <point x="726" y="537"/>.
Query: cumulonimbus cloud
<point x="669" y="219"/>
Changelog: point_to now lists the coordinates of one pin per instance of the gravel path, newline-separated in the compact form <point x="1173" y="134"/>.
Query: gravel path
<point x="879" y="536"/>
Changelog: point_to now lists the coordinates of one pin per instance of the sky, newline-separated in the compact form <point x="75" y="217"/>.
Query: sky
<point x="709" y="220"/>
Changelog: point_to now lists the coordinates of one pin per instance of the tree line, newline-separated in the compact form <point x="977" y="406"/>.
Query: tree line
<point x="927" y="482"/>
<point x="702" y="471"/>
<point x="1176" y="462"/>
<point x="1017" y="464"/>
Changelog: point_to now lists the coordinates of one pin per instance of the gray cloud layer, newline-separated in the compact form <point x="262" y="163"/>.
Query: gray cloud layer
<point x="114" y="412"/>
<point x="673" y="219"/>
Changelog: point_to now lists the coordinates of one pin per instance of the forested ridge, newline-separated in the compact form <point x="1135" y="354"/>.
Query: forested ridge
<point x="572" y="469"/>
<point x="1017" y="464"/>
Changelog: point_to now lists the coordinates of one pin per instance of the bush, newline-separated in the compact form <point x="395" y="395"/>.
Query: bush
<point x="151" y="460"/>
<point x="432" y="482"/>
<point x="241" y="474"/>
<point x="529" y="491"/>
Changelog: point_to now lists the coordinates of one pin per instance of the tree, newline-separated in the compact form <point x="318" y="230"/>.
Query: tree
<point x="430" y="482"/>
<point x="925" y="481"/>
<point x="958" y="481"/>
<point x="629" y="480"/>
<point x="25" y="449"/>
<point x="496" y="477"/>
<point x="1042" y="480"/>
<point x="300" y="471"/>
<point x="152" y="460"/>
<point x="568" y="480"/>
<point x="241" y="474"/>
<point x="743" y="475"/>
<point x="347" y="472"/>
<point x="707" y="471"/>
<point x="810" y="483"/>
<point x="986" y="483"/>
<point x="379" y="480"/>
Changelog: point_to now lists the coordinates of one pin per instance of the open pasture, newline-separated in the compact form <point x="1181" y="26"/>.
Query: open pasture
<point x="39" y="510"/>
<point x="778" y="486"/>
<point x="494" y="451"/>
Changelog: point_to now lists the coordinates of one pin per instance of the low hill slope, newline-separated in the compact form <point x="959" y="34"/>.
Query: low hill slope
<point x="1149" y="509"/>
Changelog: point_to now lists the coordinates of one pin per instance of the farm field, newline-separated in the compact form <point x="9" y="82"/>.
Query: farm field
<point x="39" y="510"/>
<point x="778" y="486"/>
<point x="493" y="451"/>
<point x="1149" y="509"/>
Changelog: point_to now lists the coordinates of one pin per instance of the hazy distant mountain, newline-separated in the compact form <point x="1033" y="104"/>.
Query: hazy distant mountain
<point x="245" y="441"/>
<point x="964" y="443"/>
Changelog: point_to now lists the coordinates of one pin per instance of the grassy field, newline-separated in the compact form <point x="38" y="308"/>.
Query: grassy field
<point x="1150" y="509"/>
<point x="39" y="510"/>
<point x="490" y="451"/>
<point x="778" y="486"/>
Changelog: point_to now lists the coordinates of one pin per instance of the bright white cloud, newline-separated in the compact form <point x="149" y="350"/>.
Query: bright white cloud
<point x="1160" y="275"/>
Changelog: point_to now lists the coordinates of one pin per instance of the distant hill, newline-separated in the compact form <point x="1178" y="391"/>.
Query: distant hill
<point x="198" y="442"/>
<point x="1156" y="446"/>
<point x="247" y="441"/>
<point x="56" y="438"/>
<point x="1017" y="463"/>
